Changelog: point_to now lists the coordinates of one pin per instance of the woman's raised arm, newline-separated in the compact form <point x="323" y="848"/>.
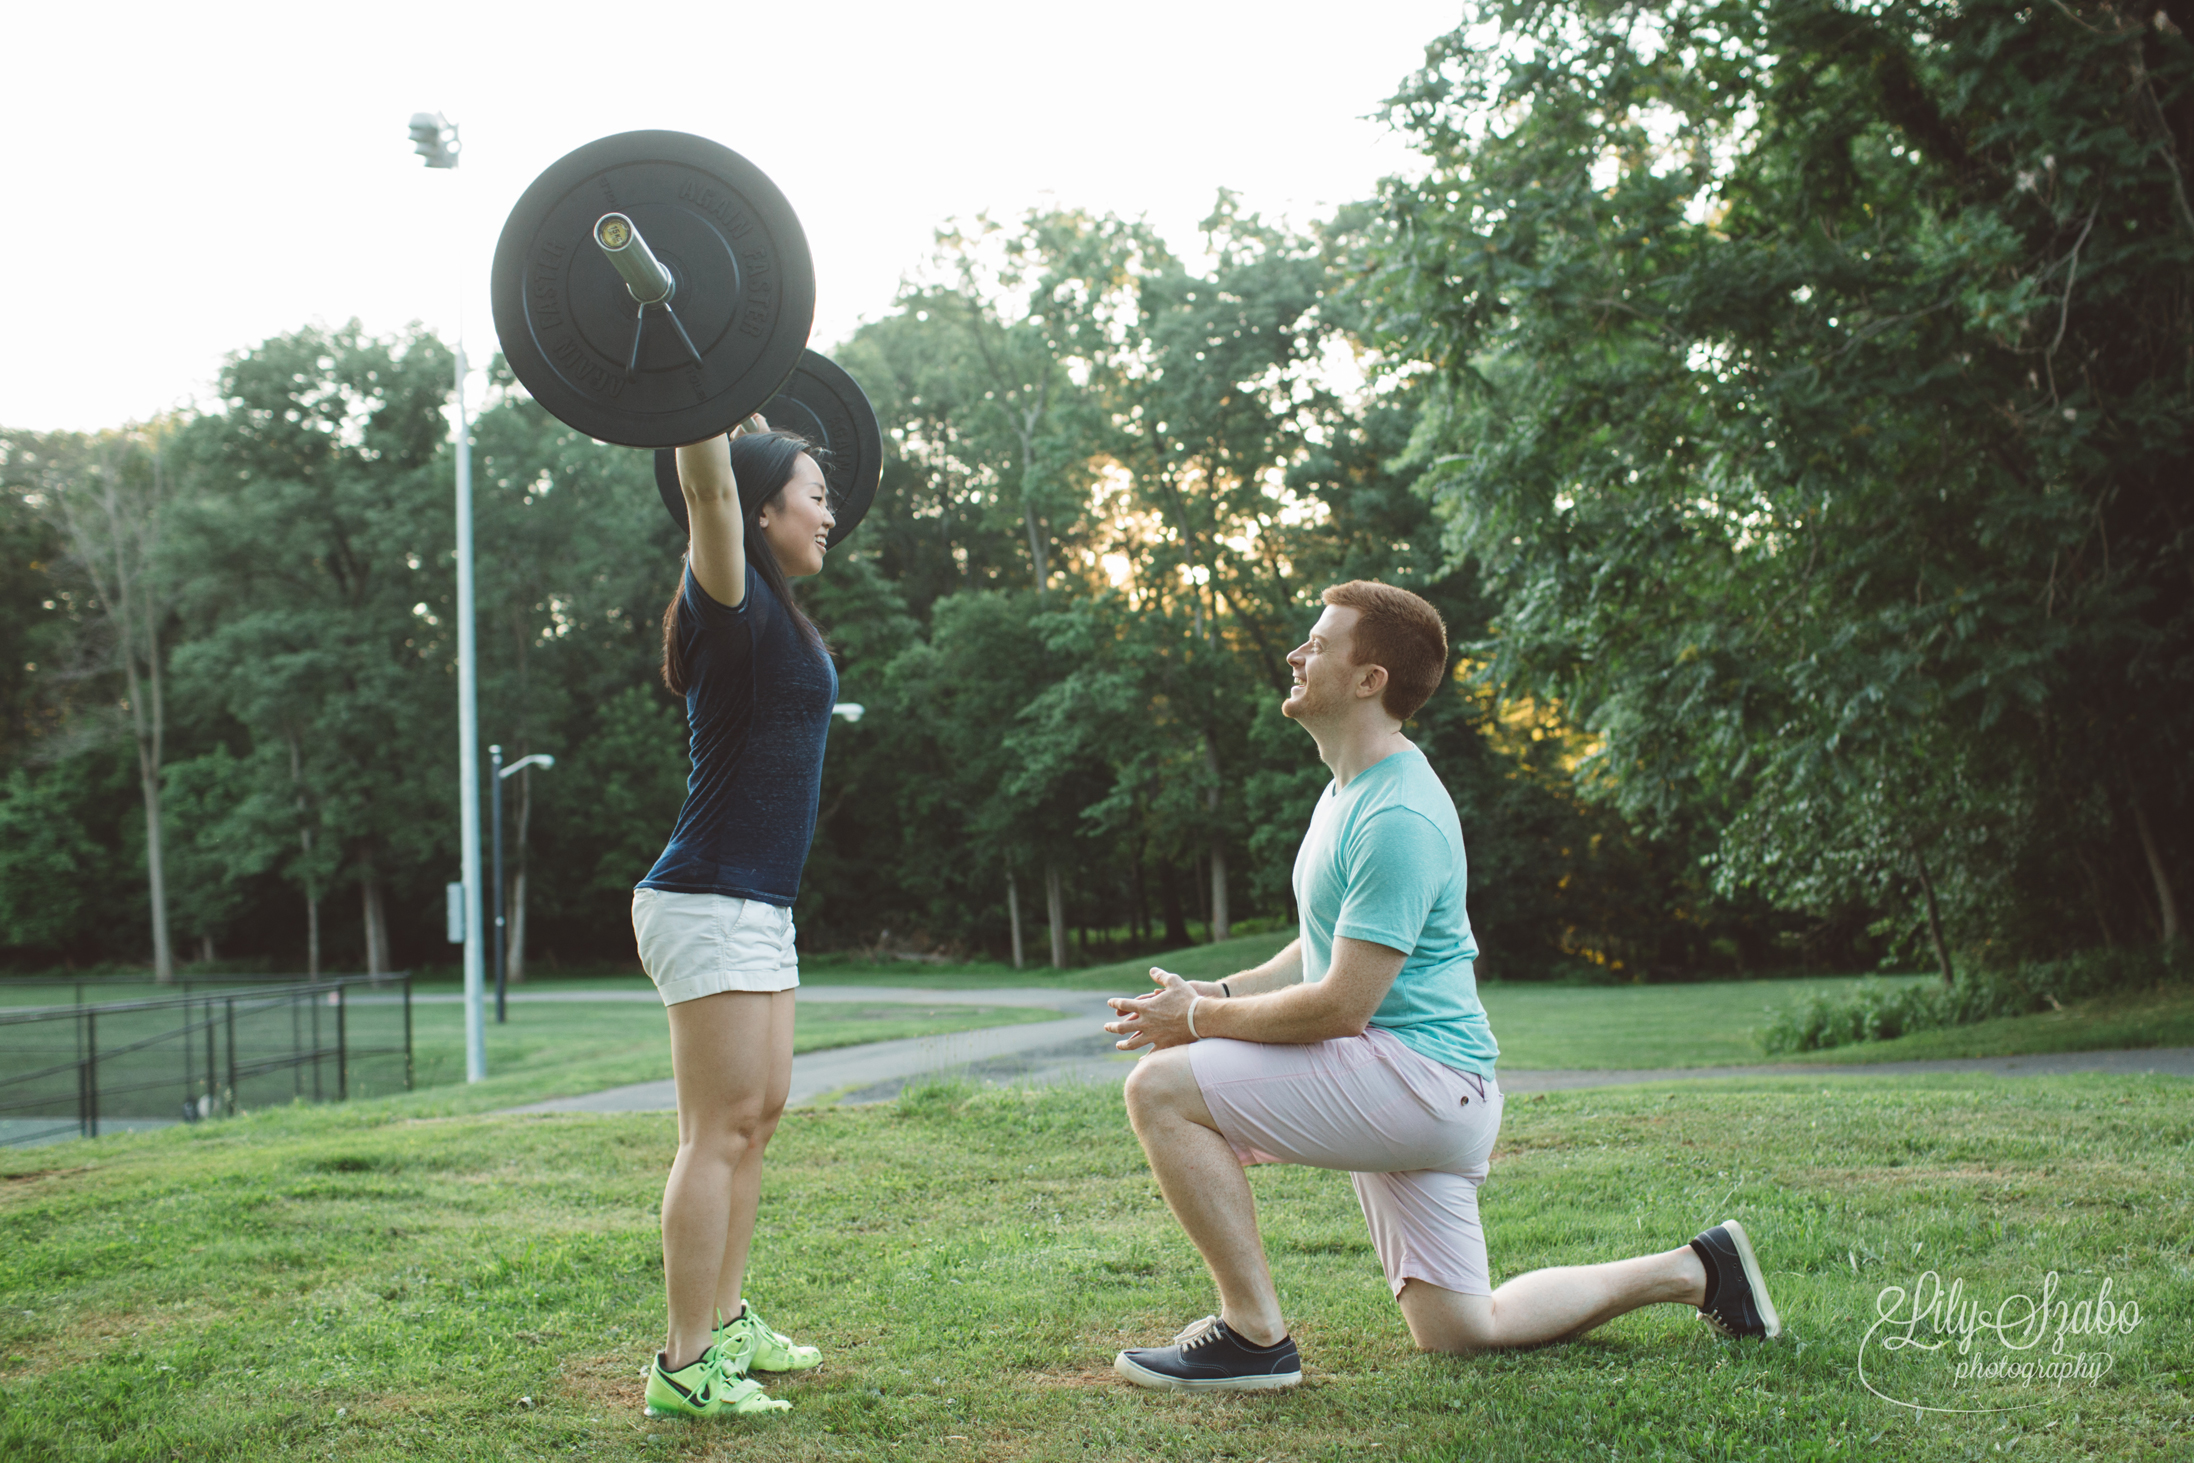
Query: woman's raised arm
<point x="716" y="546"/>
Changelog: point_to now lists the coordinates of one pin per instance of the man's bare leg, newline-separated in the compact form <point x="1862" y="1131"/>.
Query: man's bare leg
<point x="1550" y="1305"/>
<point x="1204" y="1185"/>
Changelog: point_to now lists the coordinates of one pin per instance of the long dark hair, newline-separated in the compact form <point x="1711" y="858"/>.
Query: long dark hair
<point x="761" y="464"/>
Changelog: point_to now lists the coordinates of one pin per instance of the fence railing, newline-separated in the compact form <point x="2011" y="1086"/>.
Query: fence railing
<point x="85" y="990"/>
<point x="82" y="1069"/>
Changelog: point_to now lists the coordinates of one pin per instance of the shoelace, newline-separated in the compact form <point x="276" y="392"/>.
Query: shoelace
<point x="1198" y="1333"/>
<point x="701" y="1391"/>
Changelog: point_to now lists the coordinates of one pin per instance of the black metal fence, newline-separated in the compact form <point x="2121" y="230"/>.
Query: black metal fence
<point x="81" y="1069"/>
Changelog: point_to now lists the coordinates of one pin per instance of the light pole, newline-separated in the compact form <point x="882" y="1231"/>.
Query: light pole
<point x="435" y="139"/>
<point x="543" y="761"/>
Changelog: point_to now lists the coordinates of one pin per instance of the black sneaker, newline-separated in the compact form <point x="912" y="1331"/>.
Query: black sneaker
<point x="1736" y="1293"/>
<point x="1209" y="1357"/>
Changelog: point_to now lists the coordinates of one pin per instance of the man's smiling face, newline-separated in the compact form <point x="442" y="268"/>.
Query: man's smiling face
<point x="1323" y="672"/>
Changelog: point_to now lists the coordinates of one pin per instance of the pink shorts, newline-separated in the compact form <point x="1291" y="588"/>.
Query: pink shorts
<point x="1413" y="1135"/>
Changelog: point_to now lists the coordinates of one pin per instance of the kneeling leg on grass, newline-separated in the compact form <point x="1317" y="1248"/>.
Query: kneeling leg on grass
<point x="1245" y="1346"/>
<point x="1202" y="1179"/>
<point x="1717" y="1273"/>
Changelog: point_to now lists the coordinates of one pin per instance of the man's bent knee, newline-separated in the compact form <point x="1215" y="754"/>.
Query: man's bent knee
<point x="1160" y="1081"/>
<point x="1448" y="1322"/>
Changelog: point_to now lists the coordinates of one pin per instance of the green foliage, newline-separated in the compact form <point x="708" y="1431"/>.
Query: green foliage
<point x="34" y="606"/>
<point x="1811" y="389"/>
<point x="1875" y="1011"/>
<point x="1880" y="1011"/>
<point x="323" y="591"/>
<point x="56" y="877"/>
<point x="217" y="840"/>
<point x="1121" y="734"/>
<point x="633" y="771"/>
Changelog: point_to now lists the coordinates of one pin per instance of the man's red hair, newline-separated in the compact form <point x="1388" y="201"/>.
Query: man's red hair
<point x="1399" y="631"/>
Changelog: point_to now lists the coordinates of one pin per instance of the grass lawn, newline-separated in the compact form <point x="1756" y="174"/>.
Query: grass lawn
<point x="363" y="1283"/>
<point x="1711" y="1024"/>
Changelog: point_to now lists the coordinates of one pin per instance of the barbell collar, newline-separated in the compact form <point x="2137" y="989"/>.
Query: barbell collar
<point x="635" y="263"/>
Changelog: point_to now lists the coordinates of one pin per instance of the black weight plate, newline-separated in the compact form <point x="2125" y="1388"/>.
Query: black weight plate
<point x="745" y="289"/>
<point x="825" y="405"/>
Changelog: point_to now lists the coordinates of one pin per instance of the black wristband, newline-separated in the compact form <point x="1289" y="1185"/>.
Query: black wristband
<point x="1228" y="989"/>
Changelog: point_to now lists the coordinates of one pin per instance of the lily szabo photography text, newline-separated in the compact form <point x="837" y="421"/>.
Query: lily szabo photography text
<point x="1949" y="1348"/>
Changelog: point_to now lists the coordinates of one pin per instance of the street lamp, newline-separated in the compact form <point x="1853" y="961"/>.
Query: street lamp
<point x="435" y="138"/>
<point x="543" y="761"/>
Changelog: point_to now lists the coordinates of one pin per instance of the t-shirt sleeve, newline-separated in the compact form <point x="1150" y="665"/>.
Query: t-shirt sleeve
<point x="707" y="613"/>
<point x="717" y="637"/>
<point x="1398" y="863"/>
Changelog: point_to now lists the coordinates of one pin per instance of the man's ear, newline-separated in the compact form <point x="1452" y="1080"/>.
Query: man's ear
<point x="1370" y="680"/>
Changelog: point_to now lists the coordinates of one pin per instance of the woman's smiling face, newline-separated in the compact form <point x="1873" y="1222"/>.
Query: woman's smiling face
<point x="797" y="522"/>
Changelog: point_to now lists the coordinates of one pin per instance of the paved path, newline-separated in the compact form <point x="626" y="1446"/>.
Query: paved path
<point x="1072" y="1047"/>
<point x="1079" y="1050"/>
<point x="1058" y="1000"/>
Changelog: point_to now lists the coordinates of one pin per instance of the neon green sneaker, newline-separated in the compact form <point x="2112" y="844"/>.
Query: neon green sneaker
<point x="704" y="1390"/>
<point x="764" y="1350"/>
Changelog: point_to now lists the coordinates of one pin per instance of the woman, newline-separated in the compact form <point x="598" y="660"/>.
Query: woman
<point x="713" y="918"/>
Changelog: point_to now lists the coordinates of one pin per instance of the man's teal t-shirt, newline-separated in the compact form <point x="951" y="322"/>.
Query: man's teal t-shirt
<point x="1383" y="862"/>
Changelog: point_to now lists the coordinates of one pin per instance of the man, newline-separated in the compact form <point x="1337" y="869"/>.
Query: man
<point x="1362" y="1046"/>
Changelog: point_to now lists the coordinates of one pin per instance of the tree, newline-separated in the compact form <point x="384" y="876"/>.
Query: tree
<point x="1810" y="389"/>
<point x="1213" y="392"/>
<point x="575" y="560"/>
<point x="1030" y="395"/>
<point x="53" y="870"/>
<point x="320" y="611"/>
<point x="988" y="441"/>
<point x="972" y="793"/>
<point x="39" y="633"/>
<point x="114" y="497"/>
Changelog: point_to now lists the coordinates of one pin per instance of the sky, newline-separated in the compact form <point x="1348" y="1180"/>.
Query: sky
<point x="192" y="179"/>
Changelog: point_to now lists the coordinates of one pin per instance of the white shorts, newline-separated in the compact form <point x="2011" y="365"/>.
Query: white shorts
<point x="695" y="945"/>
<point x="1413" y="1136"/>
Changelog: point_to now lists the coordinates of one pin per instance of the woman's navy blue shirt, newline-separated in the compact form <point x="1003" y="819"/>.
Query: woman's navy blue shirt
<point x="758" y="699"/>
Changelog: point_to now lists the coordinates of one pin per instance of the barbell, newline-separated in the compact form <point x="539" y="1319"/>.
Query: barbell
<point x="654" y="288"/>
<point x="825" y="405"/>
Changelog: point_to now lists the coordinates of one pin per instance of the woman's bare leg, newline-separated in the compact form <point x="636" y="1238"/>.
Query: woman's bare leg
<point x="746" y="1180"/>
<point x="1550" y="1305"/>
<point x="720" y="1052"/>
